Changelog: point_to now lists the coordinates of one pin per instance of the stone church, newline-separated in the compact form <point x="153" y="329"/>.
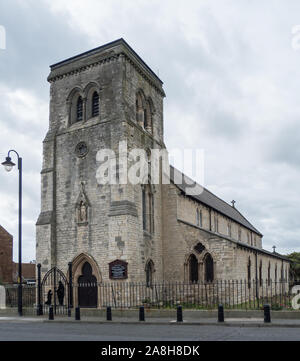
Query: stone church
<point x="130" y="232"/>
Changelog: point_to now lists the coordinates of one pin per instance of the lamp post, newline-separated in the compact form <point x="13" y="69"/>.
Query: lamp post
<point x="8" y="164"/>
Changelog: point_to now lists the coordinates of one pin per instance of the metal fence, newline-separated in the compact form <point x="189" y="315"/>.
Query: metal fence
<point x="233" y="294"/>
<point x="28" y="295"/>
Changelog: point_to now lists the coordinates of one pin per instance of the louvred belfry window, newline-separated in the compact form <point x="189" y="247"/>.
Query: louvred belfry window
<point x="95" y="104"/>
<point x="79" y="109"/>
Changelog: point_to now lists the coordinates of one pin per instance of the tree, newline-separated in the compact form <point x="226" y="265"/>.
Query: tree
<point x="295" y="265"/>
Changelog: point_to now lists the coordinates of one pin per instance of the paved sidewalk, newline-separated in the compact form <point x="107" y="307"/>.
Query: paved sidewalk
<point x="233" y="322"/>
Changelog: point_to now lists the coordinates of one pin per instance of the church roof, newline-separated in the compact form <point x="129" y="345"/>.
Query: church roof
<point x="209" y="199"/>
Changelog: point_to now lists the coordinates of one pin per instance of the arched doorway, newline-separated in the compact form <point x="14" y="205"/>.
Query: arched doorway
<point x="77" y="271"/>
<point x="87" y="287"/>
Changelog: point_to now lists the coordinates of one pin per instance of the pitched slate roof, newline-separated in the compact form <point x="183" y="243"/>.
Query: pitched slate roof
<point x="208" y="198"/>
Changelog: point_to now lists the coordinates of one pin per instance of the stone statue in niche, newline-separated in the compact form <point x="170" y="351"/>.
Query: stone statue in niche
<point x="82" y="212"/>
<point x="82" y="206"/>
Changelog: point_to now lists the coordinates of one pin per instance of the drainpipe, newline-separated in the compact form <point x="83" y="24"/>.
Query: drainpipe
<point x="256" y="283"/>
<point x="282" y="277"/>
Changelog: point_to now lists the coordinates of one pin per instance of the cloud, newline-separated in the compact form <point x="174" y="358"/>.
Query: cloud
<point x="23" y="124"/>
<point x="35" y="38"/>
<point x="230" y="75"/>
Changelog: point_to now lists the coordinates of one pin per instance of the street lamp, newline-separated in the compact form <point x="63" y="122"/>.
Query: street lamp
<point x="8" y="164"/>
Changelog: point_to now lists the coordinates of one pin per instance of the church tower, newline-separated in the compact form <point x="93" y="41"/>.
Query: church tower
<point x="98" y="100"/>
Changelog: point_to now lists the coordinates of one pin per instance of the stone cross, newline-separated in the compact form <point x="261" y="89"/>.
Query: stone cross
<point x="233" y="202"/>
<point x="274" y="247"/>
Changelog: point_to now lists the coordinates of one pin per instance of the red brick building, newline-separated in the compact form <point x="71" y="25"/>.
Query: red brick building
<point x="28" y="272"/>
<point x="6" y="256"/>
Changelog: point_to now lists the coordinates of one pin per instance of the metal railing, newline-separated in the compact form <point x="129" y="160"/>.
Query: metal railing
<point x="28" y="295"/>
<point x="232" y="294"/>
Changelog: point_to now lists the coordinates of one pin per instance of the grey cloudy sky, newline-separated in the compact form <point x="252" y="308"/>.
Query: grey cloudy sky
<point x="231" y="77"/>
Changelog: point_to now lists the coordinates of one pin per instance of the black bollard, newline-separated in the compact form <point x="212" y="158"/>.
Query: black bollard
<point x="51" y="313"/>
<point x="69" y="312"/>
<point x="39" y="310"/>
<point x="220" y="313"/>
<point x="77" y="313"/>
<point x="142" y="313"/>
<point x="179" y="314"/>
<point x="267" y="314"/>
<point x="108" y="314"/>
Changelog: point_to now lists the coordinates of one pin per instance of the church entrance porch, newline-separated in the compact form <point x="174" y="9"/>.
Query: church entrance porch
<point x="86" y="280"/>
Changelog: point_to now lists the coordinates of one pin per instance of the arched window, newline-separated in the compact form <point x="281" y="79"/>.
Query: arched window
<point x="249" y="272"/>
<point x="216" y="224"/>
<point x="150" y="206"/>
<point x="137" y="110"/>
<point x="199" y="218"/>
<point x="239" y="234"/>
<point x="209" y="268"/>
<point x="148" y="209"/>
<point x="95" y="104"/>
<point x="149" y="273"/>
<point x="144" y="209"/>
<point x="229" y="229"/>
<point x="79" y="109"/>
<point x="260" y="273"/>
<point x="145" y="119"/>
<point x="193" y="268"/>
<point x="144" y="111"/>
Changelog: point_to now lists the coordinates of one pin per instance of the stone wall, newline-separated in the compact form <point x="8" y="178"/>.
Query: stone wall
<point x="187" y="211"/>
<point x="182" y="234"/>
